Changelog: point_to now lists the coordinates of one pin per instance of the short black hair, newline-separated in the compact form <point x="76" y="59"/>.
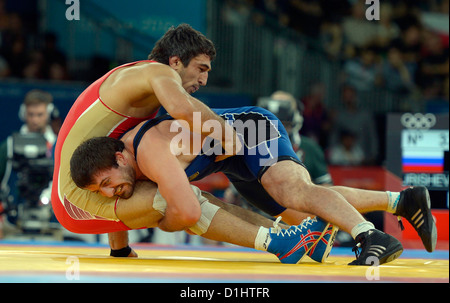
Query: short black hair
<point x="91" y="157"/>
<point x="182" y="41"/>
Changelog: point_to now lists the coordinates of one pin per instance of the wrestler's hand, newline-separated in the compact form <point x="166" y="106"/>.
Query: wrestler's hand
<point x="133" y="254"/>
<point x="126" y="252"/>
<point x="232" y="147"/>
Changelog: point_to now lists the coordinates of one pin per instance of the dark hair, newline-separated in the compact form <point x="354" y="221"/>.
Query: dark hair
<point x="93" y="156"/>
<point x="182" y="41"/>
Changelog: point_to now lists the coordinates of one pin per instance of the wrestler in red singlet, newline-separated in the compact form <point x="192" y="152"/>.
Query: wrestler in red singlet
<point x="79" y="210"/>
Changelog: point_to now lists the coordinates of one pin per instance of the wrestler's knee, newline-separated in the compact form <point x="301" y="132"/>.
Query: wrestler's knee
<point x="288" y="183"/>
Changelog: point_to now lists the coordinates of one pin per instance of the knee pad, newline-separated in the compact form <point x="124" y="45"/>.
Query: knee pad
<point x="209" y="210"/>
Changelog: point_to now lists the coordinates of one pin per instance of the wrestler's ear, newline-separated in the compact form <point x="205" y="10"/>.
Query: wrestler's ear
<point x="120" y="158"/>
<point x="175" y="62"/>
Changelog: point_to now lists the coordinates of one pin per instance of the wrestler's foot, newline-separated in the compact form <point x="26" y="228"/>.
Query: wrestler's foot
<point x="376" y="248"/>
<point x="414" y="205"/>
<point x="291" y="245"/>
<point x="321" y="249"/>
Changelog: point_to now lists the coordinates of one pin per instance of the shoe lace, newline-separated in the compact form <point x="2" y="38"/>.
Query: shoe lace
<point x="400" y="223"/>
<point x="276" y="228"/>
<point x="305" y="223"/>
<point x="293" y="229"/>
<point x="356" y="250"/>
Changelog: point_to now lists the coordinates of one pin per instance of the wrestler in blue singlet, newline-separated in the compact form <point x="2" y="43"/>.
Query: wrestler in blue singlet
<point x="265" y="142"/>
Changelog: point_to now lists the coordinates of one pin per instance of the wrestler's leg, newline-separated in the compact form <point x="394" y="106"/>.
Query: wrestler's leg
<point x="218" y="224"/>
<point x="226" y="227"/>
<point x="137" y="212"/>
<point x="242" y="213"/>
<point x="290" y="185"/>
<point x="362" y="200"/>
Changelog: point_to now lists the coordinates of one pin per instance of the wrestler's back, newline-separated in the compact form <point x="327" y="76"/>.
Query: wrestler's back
<point x="115" y="90"/>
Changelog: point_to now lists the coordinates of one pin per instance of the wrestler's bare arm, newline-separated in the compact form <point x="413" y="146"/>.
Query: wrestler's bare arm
<point x="156" y="161"/>
<point x="182" y="106"/>
<point x="139" y="90"/>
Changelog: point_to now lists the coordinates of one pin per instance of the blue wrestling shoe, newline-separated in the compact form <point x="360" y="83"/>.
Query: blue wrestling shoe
<point x="291" y="245"/>
<point x="321" y="249"/>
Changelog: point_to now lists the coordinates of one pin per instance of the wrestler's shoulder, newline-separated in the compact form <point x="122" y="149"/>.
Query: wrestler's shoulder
<point x="148" y="67"/>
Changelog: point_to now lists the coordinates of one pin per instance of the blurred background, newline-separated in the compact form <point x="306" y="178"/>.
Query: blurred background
<point x="372" y="95"/>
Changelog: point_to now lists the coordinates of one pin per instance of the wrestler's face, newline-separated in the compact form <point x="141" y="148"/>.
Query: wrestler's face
<point x="195" y="74"/>
<point x="116" y="181"/>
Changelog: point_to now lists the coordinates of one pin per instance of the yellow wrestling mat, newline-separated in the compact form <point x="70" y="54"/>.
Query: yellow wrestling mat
<point x="65" y="262"/>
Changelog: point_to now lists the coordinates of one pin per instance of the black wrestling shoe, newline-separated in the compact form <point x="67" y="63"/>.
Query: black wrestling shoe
<point x="376" y="248"/>
<point x="415" y="206"/>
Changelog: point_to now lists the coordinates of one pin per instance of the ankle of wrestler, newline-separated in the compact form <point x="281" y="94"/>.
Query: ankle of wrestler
<point x="393" y="199"/>
<point x="361" y="228"/>
<point x="262" y="239"/>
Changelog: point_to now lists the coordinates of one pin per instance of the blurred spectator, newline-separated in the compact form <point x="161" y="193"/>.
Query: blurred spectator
<point x="434" y="64"/>
<point x="13" y="43"/>
<point x="358" y="32"/>
<point x="332" y="39"/>
<point x="316" y="119"/>
<point x="346" y="151"/>
<point x="409" y="43"/>
<point x="273" y="9"/>
<point x="356" y="121"/>
<point x="405" y="14"/>
<point x="386" y="30"/>
<point x="54" y="60"/>
<point x="4" y="17"/>
<point x="57" y="72"/>
<point x="444" y="7"/>
<point x="21" y="181"/>
<point x="4" y="25"/>
<point x="17" y="57"/>
<point x="398" y="75"/>
<point x="305" y="16"/>
<point x="363" y="72"/>
<point x="34" y="69"/>
<point x="434" y="73"/>
<point x="4" y="67"/>
<point x="36" y="112"/>
<point x="235" y="12"/>
<point x="437" y="101"/>
<point x="335" y="10"/>
<point x="339" y="26"/>
<point x="11" y="29"/>
<point x="18" y="47"/>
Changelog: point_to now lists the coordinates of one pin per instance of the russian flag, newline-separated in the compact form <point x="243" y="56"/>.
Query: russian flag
<point x="427" y="163"/>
